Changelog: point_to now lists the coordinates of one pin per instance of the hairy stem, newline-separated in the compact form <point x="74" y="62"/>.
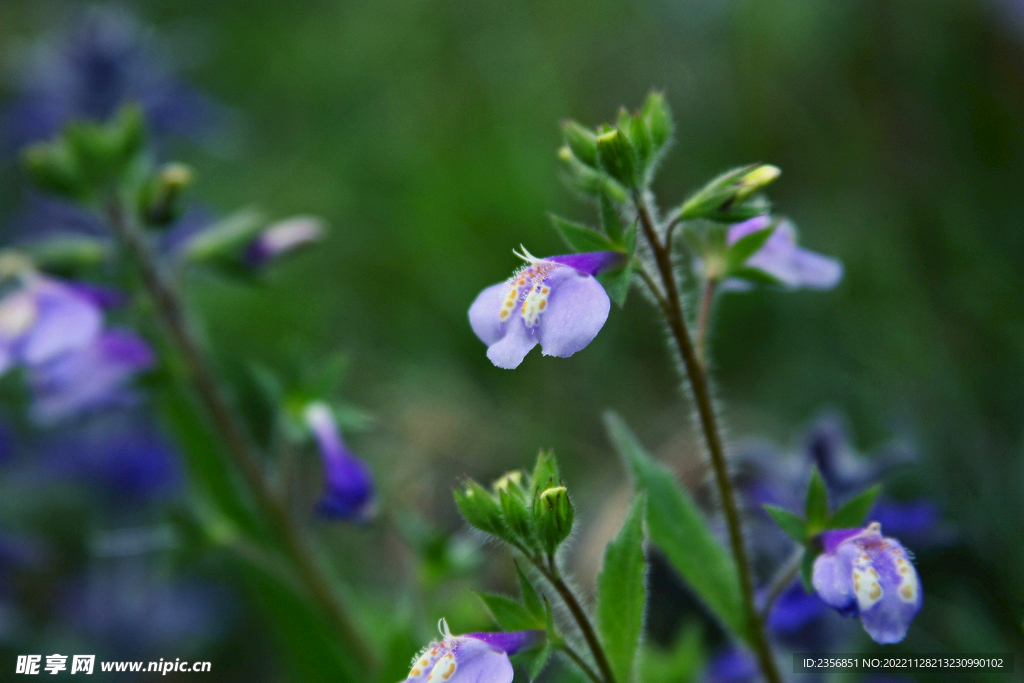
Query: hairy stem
<point x="707" y="299"/>
<point x="550" y="572"/>
<point x="695" y="371"/>
<point x="575" y="657"/>
<point x="171" y="312"/>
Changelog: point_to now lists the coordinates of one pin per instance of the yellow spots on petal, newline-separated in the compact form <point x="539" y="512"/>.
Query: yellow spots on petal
<point x="504" y="314"/>
<point x="449" y="672"/>
<point x="545" y="290"/>
<point x="876" y="592"/>
<point x="907" y="592"/>
<point x="866" y="587"/>
<point x="444" y="669"/>
<point x="415" y="673"/>
<point x="542" y="304"/>
<point x="873" y="572"/>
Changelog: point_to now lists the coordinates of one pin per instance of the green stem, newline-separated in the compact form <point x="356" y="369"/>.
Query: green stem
<point x="707" y="299"/>
<point x="575" y="657"/>
<point x="201" y="375"/>
<point x="782" y="579"/>
<point x="695" y="371"/>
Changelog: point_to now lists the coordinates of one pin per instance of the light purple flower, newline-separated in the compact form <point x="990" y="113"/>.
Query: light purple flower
<point x="283" y="238"/>
<point x="470" y="658"/>
<point x="90" y="377"/>
<point x="348" y="484"/>
<point x="782" y="258"/>
<point x="554" y="301"/>
<point x="863" y="574"/>
<point x="44" y="319"/>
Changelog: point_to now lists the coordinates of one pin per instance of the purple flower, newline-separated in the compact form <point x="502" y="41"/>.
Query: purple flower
<point x="105" y="60"/>
<point x="732" y="665"/>
<point x="348" y="484"/>
<point x="89" y="377"/>
<point x="470" y="658"/>
<point x="44" y="319"/>
<point x="863" y="574"/>
<point x="554" y="301"/>
<point x="792" y="265"/>
<point x="283" y="238"/>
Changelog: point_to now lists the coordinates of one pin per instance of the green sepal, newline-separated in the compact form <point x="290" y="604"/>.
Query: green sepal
<point x="641" y="139"/>
<point x="754" y="276"/>
<point x="515" y="514"/>
<point x="479" y="508"/>
<point x="579" y="237"/>
<point x="816" y="504"/>
<point x="745" y="247"/>
<point x="225" y="238"/>
<point x="853" y="512"/>
<point x="816" y="509"/>
<point x="794" y="525"/>
<point x="658" y="117"/>
<point x="587" y="180"/>
<point x="545" y="472"/>
<point x="617" y="282"/>
<point x="509" y="614"/>
<point x="531" y="599"/>
<point x="617" y="157"/>
<point x="582" y="141"/>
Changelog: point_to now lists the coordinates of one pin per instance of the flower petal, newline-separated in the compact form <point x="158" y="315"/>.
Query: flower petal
<point x="793" y="265"/>
<point x="887" y="619"/>
<point x="577" y="310"/>
<point x="591" y="262"/>
<point x="509" y="351"/>
<point x="67" y="321"/>
<point x="478" y="662"/>
<point x="833" y="579"/>
<point x="483" y="314"/>
<point x="510" y="642"/>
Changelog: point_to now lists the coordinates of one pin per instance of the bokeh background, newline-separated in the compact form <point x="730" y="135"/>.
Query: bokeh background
<point x="424" y="133"/>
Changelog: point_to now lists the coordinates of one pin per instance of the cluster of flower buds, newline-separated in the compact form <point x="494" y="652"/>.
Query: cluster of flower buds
<point x="532" y="513"/>
<point x="614" y="159"/>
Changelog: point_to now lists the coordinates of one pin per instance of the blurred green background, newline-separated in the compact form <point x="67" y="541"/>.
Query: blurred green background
<point x="425" y="131"/>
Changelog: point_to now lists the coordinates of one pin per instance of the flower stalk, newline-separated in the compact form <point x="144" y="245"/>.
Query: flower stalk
<point x="671" y="306"/>
<point x="171" y="311"/>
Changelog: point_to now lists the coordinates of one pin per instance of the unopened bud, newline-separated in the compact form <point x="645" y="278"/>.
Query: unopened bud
<point x="617" y="157"/>
<point x="162" y="199"/>
<point x="479" y="507"/>
<point x="582" y="141"/>
<point x="553" y="516"/>
<point x="760" y="177"/>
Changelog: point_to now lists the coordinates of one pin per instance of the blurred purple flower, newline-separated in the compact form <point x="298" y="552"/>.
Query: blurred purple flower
<point x="554" y="301"/>
<point x="845" y="472"/>
<point x="861" y="573"/>
<point x="102" y="61"/>
<point x="732" y="665"/>
<point x="470" y="658"/>
<point x="283" y="238"/>
<point x="782" y="258"/>
<point x="43" y="319"/>
<point x="90" y="377"/>
<point x="348" y="484"/>
<point x="123" y="452"/>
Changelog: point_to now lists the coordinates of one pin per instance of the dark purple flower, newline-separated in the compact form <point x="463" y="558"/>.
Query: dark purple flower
<point x="470" y="658"/>
<point x="845" y="472"/>
<point x="104" y="60"/>
<point x="554" y="301"/>
<point x="732" y="665"/>
<point x="89" y="377"/>
<point x="782" y="258"/>
<point x="283" y="238"/>
<point x="861" y="573"/>
<point x="348" y="484"/>
<point x="44" y="319"/>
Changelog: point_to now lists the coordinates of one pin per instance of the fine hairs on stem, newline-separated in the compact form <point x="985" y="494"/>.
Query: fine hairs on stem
<point x="171" y="311"/>
<point x="672" y="309"/>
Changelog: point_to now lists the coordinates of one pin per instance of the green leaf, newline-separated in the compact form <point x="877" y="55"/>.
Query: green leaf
<point x="807" y="569"/>
<point x="678" y="527"/>
<point x="816" y="503"/>
<point x="621" y="592"/>
<point x="754" y="276"/>
<point x="616" y="283"/>
<point x="510" y="615"/>
<point x="225" y="237"/>
<point x="747" y="246"/>
<point x="531" y="600"/>
<point x="533" y="660"/>
<point x="580" y="237"/>
<point x="629" y="239"/>
<point x="852" y="513"/>
<point x="792" y="524"/>
<point x="610" y="220"/>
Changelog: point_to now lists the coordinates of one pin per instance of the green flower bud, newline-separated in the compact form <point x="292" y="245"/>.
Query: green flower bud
<point x="582" y="141"/>
<point x="553" y="516"/>
<point x="617" y="157"/>
<point x="160" y="200"/>
<point x="479" y="508"/>
<point x="53" y="168"/>
<point x="761" y="176"/>
<point x="515" y="514"/>
<point x="69" y="255"/>
<point x="658" y="117"/>
<point x="721" y="199"/>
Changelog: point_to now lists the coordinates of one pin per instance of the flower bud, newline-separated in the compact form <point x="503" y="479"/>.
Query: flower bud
<point x="553" y="516"/>
<point x="53" y="168"/>
<point x="515" y="514"/>
<point x="479" y="508"/>
<point x="590" y="181"/>
<point x="617" y="157"/>
<point x="582" y="141"/>
<point x="721" y="198"/>
<point x="760" y="177"/>
<point x="161" y="199"/>
<point x="658" y="117"/>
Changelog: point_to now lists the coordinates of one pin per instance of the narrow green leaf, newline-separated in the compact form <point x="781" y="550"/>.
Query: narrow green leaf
<point x="678" y="527"/>
<point x="621" y="592"/>
<point x="530" y="598"/>
<point x="580" y="237"/>
<point x="610" y="220"/>
<point x="510" y="615"/>
<point x="747" y="246"/>
<point x="754" y="276"/>
<point x="629" y="239"/>
<point x="533" y="660"/>
<point x="816" y="503"/>
<point x="852" y="513"/>
<point x="792" y="524"/>
<point x="679" y="664"/>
